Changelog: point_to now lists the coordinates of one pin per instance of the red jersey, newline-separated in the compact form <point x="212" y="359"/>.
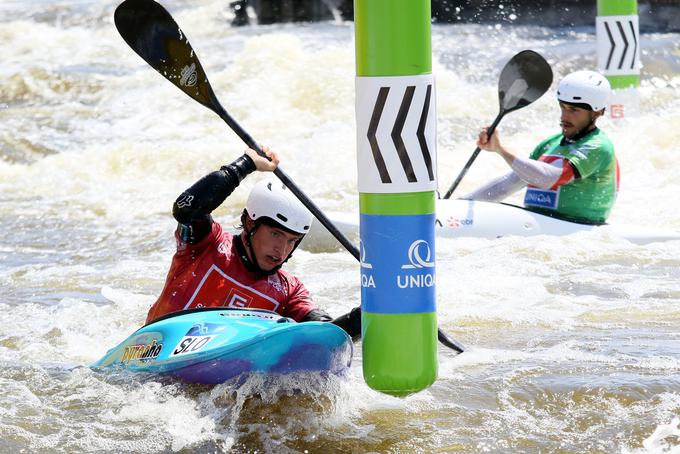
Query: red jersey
<point x="210" y="273"/>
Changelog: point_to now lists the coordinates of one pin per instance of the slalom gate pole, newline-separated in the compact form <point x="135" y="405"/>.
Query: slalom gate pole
<point x="396" y="158"/>
<point x="618" y="54"/>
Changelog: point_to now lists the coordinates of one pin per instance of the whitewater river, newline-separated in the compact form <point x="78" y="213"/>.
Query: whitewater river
<point x="573" y="344"/>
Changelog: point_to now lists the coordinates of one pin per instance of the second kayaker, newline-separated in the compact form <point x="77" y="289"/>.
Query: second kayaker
<point x="212" y="267"/>
<point x="572" y="175"/>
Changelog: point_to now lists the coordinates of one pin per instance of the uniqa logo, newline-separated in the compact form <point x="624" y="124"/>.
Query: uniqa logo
<point x="188" y="77"/>
<point x="417" y="281"/>
<point x="366" y="279"/>
<point x="420" y="256"/>
<point x="362" y="256"/>
<point x="415" y="255"/>
<point x="540" y="197"/>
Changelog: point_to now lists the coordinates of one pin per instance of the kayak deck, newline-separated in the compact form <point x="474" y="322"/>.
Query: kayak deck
<point x="476" y="219"/>
<point x="213" y="345"/>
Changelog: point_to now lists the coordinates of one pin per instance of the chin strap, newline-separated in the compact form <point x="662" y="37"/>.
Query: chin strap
<point x="251" y="264"/>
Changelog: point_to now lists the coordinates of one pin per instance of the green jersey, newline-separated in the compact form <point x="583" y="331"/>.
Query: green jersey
<point x="590" y="196"/>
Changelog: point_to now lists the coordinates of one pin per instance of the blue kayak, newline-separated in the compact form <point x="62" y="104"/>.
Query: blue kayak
<point x="213" y="345"/>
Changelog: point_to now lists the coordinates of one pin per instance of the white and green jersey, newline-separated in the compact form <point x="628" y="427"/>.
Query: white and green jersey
<point x="590" y="195"/>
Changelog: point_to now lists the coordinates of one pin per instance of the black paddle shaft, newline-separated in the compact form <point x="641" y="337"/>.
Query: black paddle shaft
<point x="469" y="162"/>
<point x="153" y="34"/>
<point x="523" y="80"/>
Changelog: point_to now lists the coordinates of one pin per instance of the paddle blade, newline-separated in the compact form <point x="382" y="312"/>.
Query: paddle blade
<point x="152" y="32"/>
<point x="523" y="80"/>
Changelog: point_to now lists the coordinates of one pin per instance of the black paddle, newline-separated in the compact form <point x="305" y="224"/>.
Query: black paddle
<point x="153" y="34"/>
<point x="523" y="80"/>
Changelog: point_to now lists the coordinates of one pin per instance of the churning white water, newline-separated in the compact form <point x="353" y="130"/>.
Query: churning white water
<point x="573" y="343"/>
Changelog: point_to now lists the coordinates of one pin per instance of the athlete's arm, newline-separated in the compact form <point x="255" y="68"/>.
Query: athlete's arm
<point x="351" y="323"/>
<point x="536" y="173"/>
<point x="542" y="174"/>
<point x="193" y="207"/>
<point x="497" y="189"/>
<point x="317" y="315"/>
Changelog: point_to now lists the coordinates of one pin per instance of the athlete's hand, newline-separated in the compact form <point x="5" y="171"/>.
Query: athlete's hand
<point x="487" y="143"/>
<point x="264" y="164"/>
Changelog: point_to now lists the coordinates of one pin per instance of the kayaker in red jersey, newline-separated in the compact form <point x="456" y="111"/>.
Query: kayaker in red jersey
<point x="212" y="267"/>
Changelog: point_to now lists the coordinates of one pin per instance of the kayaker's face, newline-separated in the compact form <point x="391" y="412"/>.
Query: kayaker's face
<point x="576" y="119"/>
<point x="272" y="246"/>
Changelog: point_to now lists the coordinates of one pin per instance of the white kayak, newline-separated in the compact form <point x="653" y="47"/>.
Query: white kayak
<point x="467" y="218"/>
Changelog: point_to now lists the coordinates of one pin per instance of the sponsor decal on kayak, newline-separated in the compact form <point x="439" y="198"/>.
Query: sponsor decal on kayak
<point x="262" y="315"/>
<point x="454" y="223"/>
<point x="196" y="338"/>
<point x="541" y="198"/>
<point x="203" y="329"/>
<point x="191" y="344"/>
<point x="397" y="263"/>
<point x="141" y="352"/>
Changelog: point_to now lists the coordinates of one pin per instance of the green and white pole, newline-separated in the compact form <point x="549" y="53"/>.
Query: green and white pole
<point x="396" y="157"/>
<point x="618" y="54"/>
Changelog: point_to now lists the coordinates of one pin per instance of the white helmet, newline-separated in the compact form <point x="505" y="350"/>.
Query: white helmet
<point x="585" y="87"/>
<point x="275" y="202"/>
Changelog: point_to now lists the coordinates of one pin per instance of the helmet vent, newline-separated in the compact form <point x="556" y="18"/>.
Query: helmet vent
<point x="282" y="217"/>
<point x="577" y="97"/>
<point x="306" y="227"/>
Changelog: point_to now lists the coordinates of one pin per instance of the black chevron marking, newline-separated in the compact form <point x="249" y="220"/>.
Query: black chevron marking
<point x="632" y="32"/>
<point x="396" y="134"/>
<point x="421" y="133"/>
<point x="612" y="45"/>
<point x="625" y="42"/>
<point x="372" y="128"/>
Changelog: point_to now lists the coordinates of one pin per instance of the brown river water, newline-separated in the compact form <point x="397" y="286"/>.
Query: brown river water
<point x="573" y="343"/>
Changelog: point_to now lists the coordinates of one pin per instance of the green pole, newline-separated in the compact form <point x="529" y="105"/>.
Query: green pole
<point x="396" y="158"/>
<point x="618" y="54"/>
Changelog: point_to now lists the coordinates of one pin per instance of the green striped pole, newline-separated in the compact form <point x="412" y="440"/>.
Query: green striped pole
<point x="396" y="158"/>
<point x="618" y="54"/>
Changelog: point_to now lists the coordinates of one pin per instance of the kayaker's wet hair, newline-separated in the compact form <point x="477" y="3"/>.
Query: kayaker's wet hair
<point x="244" y="216"/>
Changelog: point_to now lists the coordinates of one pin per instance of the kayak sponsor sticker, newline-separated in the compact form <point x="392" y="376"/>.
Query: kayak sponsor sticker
<point x="541" y="198"/>
<point x="141" y="352"/>
<point x="397" y="264"/>
<point x="454" y="223"/>
<point x="191" y="344"/>
<point x="196" y="338"/>
<point x="260" y="315"/>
